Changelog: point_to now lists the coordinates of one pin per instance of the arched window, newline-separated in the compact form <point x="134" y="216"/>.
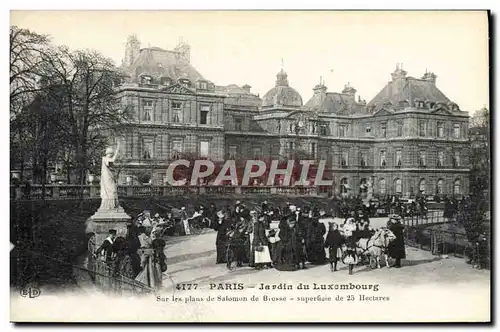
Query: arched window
<point x="382" y="186"/>
<point x="421" y="186"/>
<point x="440" y="187"/>
<point x="344" y="187"/>
<point x="398" y="186"/>
<point x="456" y="187"/>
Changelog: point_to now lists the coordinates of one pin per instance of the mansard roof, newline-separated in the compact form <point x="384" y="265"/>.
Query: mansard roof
<point x="335" y="102"/>
<point x="158" y="62"/>
<point x="409" y="89"/>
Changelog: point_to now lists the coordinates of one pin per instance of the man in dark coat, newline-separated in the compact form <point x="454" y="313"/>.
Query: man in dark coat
<point x="265" y="207"/>
<point x="106" y="247"/>
<point x="396" y="248"/>
<point x="300" y="238"/>
<point x="133" y="244"/>
<point x="334" y="241"/>
<point x="222" y="239"/>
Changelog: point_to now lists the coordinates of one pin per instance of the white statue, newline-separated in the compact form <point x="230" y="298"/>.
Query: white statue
<point x="109" y="193"/>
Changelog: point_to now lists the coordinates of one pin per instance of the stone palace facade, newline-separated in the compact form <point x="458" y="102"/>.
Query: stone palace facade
<point x="410" y="138"/>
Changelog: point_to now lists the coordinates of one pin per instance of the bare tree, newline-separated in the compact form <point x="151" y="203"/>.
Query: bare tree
<point x="27" y="50"/>
<point x="27" y="54"/>
<point x="90" y="102"/>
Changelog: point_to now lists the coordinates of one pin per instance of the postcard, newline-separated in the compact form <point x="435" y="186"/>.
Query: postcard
<point x="250" y="166"/>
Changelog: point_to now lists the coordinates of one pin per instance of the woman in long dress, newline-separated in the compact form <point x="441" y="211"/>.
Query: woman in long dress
<point x="315" y="248"/>
<point x="109" y="194"/>
<point x="287" y="257"/>
<point x="154" y="265"/>
<point x="260" y="245"/>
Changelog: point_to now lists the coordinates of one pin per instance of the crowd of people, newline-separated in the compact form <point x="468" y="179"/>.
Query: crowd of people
<point x="139" y="255"/>
<point x="392" y="204"/>
<point x="246" y="236"/>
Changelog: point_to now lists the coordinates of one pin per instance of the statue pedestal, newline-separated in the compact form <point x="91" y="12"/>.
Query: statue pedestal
<point x="104" y="220"/>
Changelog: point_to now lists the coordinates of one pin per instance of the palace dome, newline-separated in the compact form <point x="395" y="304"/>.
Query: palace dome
<point x="282" y="94"/>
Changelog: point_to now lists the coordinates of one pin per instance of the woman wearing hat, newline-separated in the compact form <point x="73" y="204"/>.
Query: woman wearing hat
<point x="154" y="265"/>
<point x="260" y="244"/>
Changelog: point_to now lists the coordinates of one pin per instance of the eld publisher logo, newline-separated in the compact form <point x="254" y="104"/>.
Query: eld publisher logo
<point x="30" y="292"/>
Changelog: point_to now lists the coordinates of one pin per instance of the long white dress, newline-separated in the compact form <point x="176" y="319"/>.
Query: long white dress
<point x="109" y="194"/>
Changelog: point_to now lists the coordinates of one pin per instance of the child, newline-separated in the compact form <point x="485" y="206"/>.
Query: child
<point x="333" y="242"/>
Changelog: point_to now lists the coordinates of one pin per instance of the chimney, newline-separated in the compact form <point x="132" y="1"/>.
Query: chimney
<point x="430" y="77"/>
<point x="319" y="92"/>
<point x="247" y="88"/>
<point x="398" y="73"/>
<point x="131" y="50"/>
<point x="349" y="90"/>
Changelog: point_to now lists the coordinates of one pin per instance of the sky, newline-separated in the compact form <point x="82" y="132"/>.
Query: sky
<point x="250" y="47"/>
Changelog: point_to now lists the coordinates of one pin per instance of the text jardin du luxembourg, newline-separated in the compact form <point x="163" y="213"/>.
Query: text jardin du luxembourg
<point x="319" y="286"/>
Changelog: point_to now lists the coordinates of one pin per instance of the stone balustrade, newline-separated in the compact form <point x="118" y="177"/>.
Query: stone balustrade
<point x="54" y="192"/>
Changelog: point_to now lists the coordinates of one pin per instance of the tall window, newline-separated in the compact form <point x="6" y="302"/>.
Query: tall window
<point x="368" y="130"/>
<point x="342" y="130"/>
<point x="422" y="161"/>
<point x="440" y="187"/>
<point x="344" y="187"/>
<point x="345" y="159"/>
<point x="233" y="151"/>
<point x="204" y="148"/>
<point x="421" y="128"/>
<point x="400" y="128"/>
<point x="364" y="161"/>
<point x="323" y="130"/>
<point x="456" y="130"/>
<point x="398" y="186"/>
<point x="147" y="110"/>
<point x="313" y="128"/>
<point x="383" y="185"/>
<point x="147" y="150"/>
<point x="176" y="112"/>
<point x="291" y="146"/>
<point x="456" y="187"/>
<point x="383" y="162"/>
<point x="313" y="150"/>
<point x="176" y="148"/>
<point x="204" y="112"/>
<point x="440" y="162"/>
<point x="440" y="129"/>
<point x="422" y="186"/>
<point x="257" y="152"/>
<point x="399" y="157"/>
<point x="237" y="124"/>
<point x="456" y="159"/>
<point x="383" y="129"/>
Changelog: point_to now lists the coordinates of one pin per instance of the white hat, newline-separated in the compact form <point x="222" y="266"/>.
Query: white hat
<point x="183" y="208"/>
<point x="292" y="208"/>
